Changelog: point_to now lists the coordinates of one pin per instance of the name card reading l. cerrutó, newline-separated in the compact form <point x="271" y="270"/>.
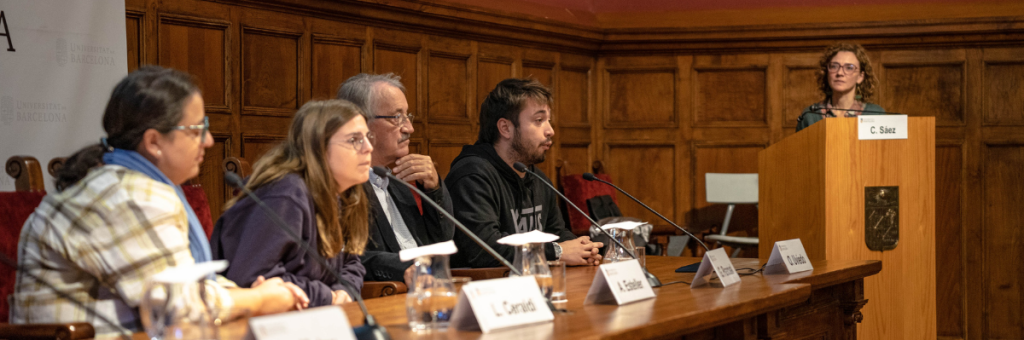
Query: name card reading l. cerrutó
<point x="321" y="323"/>
<point x="622" y="282"/>
<point x="874" y="127"/>
<point x="788" y="257"/>
<point x="500" y="303"/>
<point x="718" y="261"/>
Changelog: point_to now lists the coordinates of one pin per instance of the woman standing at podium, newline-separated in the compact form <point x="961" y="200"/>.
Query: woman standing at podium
<point x="845" y="79"/>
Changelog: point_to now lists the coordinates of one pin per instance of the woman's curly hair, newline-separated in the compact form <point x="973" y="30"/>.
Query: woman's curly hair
<point x="866" y="88"/>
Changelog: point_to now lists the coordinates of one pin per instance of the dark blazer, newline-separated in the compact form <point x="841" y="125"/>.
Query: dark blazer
<point x="381" y="256"/>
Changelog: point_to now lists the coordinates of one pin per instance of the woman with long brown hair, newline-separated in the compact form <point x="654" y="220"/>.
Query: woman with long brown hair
<point x="847" y="81"/>
<point x="310" y="180"/>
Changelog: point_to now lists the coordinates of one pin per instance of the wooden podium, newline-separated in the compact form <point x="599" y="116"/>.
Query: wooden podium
<point x="821" y="185"/>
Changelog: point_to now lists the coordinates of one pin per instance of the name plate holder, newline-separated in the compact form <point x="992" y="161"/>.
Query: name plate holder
<point x="500" y="303"/>
<point x="788" y="257"/>
<point x="878" y="127"/>
<point x="623" y="282"/>
<point x="716" y="261"/>
<point x="323" y="323"/>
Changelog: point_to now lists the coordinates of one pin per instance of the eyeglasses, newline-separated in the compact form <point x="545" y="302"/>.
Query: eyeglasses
<point x="205" y="127"/>
<point x="398" y="119"/>
<point x="358" y="142"/>
<point x="849" y="68"/>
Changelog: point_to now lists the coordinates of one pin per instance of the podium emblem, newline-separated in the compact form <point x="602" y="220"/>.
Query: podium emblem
<point x="881" y="217"/>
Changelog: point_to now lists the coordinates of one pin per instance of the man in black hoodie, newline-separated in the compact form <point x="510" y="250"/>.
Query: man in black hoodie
<point x="494" y="200"/>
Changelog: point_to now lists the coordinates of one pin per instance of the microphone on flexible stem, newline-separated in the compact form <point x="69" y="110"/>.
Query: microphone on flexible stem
<point x="370" y="328"/>
<point x="590" y="177"/>
<point x="651" y="279"/>
<point x="123" y="333"/>
<point x="382" y="172"/>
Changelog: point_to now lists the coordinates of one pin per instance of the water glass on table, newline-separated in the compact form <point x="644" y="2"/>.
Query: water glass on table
<point x="557" y="281"/>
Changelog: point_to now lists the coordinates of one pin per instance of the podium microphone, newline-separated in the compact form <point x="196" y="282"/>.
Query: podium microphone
<point x="590" y="177"/>
<point x="370" y="330"/>
<point x="651" y="279"/>
<point x="123" y="333"/>
<point x="382" y="172"/>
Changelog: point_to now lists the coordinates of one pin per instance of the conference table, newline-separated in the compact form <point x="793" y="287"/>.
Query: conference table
<point x="823" y="303"/>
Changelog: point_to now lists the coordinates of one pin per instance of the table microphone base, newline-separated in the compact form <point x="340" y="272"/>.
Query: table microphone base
<point x="371" y="330"/>
<point x="652" y="280"/>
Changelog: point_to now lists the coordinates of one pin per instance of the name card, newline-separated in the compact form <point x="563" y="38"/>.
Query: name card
<point x="717" y="261"/>
<point x="873" y="127"/>
<point x="321" y="323"/>
<point x="500" y="303"/>
<point x="788" y="257"/>
<point x="622" y="282"/>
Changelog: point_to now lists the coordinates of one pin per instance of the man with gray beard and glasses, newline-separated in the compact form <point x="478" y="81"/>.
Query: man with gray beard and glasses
<point x="397" y="222"/>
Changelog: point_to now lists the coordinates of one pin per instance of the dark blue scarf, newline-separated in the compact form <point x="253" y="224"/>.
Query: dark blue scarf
<point x="132" y="160"/>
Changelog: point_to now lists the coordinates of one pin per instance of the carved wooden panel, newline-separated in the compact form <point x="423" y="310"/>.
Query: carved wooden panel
<point x="1003" y="96"/>
<point x="573" y="97"/>
<point x="723" y="158"/>
<point x="270" y="71"/>
<point x="730" y="97"/>
<point x="1001" y="243"/>
<point x="402" y="61"/>
<point x="926" y="90"/>
<point x="490" y="72"/>
<point x="443" y="152"/>
<point x="254" y="146"/>
<point x="641" y="98"/>
<point x="657" y="185"/>
<point x="334" y="60"/>
<point x="133" y="28"/>
<point x="949" y="240"/>
<point x="576" y="158"/>
<point x="541" y="71"/>
<point x="198" y="46"/>
<point x="449" y="87"/>
<point x="799" y="92"/>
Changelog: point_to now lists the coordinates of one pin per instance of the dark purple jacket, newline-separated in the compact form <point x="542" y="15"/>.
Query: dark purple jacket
<point x="254" y="246"/>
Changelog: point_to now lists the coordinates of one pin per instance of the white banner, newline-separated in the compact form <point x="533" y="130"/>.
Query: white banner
<point x="59" y="61"/>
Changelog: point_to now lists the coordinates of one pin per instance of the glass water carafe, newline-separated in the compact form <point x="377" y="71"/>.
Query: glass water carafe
<point x="530" y="259"/>
<point x="432" y="296"/>
<point x="177" y="310"/>
<point x="614" y="253"/>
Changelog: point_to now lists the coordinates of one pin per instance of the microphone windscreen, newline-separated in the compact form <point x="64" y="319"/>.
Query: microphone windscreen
<point x="519" y="167"/>
<point x="589" y="176"/>
<point x="233" y="179"/>
<point x="380" y="171"/>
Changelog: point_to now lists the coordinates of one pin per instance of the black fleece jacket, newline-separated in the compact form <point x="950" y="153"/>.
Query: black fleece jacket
<point x="493" y="201"/>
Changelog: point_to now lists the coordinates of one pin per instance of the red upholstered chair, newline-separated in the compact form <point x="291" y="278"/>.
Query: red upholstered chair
<point x="15" y="207"/>
<point x="196" y="198"/>
<point x="579" y="190"/>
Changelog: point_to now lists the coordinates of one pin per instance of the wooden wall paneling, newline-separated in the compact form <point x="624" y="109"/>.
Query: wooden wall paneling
<point x="799" y="86"/>
<point x="334" y="59"/>
<point x="641" y="95"/>
<point x="1001" y="241"/>
<point x="730" y="90"/>
<point x="541" y="65"/>
<point x="444" y="151"/>
<point x="950" y="239"/>
<point x="494" y="64"/>
<point x="255" y="145"/>
<point x="400" y="53"/>
<point x="272" y="71"/>
<point x="926" y="83"/>
<point x="135" y="23"/>
<point x="450" y="73"/>
<point x="211" y="174"/>
<point x="723" y="157"/>
<point x="1003" y="95"/>
<point x="656" y="187"/>
<point x="199" y="46"/>
<point x="574" y="96"/>
<point x="576" y="158"/>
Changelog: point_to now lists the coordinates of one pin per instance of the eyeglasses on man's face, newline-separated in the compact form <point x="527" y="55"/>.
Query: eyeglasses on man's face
<point x="357" y="141"/>
<point x="849" y="68"/>
<point x="398" y="119"/>
<point x="202" y="128"/>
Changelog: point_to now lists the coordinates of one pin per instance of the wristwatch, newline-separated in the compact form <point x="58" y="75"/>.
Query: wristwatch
<point x="558" y="251"/>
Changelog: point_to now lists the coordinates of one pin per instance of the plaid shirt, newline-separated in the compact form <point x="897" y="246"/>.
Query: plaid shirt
<point x="99" y="241"/>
